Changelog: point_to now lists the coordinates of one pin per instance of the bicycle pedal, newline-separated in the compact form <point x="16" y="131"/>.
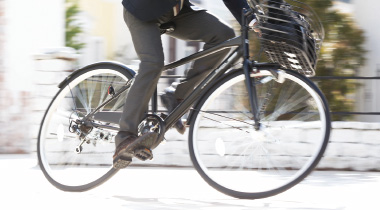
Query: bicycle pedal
<point x="143" y="154"/>
<point x="121" y="162"/>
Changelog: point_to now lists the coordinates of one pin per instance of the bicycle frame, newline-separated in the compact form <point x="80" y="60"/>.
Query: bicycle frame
<point x="242" y="51"/>
<point x="188" y="102"/>
<point x="208" y="81"/>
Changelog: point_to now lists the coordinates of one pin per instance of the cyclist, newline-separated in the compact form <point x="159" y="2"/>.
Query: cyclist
<point x="143" y="18"/>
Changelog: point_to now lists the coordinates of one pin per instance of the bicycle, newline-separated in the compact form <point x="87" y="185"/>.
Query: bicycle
<point x="248" y="120"/>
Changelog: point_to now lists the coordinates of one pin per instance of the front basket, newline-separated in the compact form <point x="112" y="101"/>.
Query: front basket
<point x="292" y="33"/>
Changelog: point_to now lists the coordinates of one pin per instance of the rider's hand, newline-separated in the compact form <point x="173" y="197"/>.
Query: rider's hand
<point x="254" y="25"/>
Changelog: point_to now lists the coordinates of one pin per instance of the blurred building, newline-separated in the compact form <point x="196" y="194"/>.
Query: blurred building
<point x="366" y="14"/>
<point x="31" y="34"/>
<point x="107" y="37"/>
<point x="26" y="28"/>
<point x="30" y="28"/>
<point x="105" y="33"/>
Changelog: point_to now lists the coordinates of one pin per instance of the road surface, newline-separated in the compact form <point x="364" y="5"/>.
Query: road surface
<point x="23" y="186"/>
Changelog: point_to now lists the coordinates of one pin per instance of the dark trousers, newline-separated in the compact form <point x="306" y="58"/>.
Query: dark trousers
<point x="190" y="26"/>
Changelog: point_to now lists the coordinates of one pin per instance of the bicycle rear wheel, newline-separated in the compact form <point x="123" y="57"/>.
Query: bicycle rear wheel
<point x="58" y="142"/>
<point x="242" y="162"/>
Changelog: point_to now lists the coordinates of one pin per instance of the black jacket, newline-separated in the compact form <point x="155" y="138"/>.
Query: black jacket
<point x="148" y="10"/>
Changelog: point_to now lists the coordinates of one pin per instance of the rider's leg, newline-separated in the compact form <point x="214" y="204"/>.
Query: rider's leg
<point x="196" y="26"/>
<point x="147" y="42"/>
<point x="205" y="27"/>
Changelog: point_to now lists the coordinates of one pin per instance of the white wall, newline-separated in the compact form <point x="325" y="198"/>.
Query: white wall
<point x="28" y="26"/>
<point x="366" y="13"/>
<point x="31" y="26"/>
<point x="352" y="146"/>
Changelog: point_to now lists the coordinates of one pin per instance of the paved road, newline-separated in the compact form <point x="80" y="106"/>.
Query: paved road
<point x="23" y="186"/>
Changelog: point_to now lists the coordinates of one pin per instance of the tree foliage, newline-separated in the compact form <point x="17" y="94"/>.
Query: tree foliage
<point x="73" y="28"/>
<point x="342" y="54"/>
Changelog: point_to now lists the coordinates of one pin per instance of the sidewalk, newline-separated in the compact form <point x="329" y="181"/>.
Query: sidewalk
<point x="23" y="186"/>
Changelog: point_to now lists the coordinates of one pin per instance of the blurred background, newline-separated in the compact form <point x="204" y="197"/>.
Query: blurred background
<point x="43" y="41"/>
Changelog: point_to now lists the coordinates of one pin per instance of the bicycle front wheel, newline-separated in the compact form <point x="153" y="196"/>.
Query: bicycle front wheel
<point x="66" y="163"/>
<point x="244" y="162"/>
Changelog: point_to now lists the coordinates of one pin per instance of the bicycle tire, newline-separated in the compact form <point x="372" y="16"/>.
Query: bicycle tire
<point x="79" y="94"/>
<point x="237" y="160"/>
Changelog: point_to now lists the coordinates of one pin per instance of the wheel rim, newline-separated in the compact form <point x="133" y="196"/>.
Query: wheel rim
<point x="63" y="166"/>
<point x="259" y="162"/>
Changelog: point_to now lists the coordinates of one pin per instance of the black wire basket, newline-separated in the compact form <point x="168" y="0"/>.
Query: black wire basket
<point x="292" y="33"/>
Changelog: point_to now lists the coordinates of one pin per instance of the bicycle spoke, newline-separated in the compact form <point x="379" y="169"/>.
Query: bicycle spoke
<point x="68" y="149"/>
<point x="260" y="159"/>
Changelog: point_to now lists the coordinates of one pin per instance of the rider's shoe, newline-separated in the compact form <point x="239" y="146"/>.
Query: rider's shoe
<point x="170" y="102"/>
<point x="134" y="146"/>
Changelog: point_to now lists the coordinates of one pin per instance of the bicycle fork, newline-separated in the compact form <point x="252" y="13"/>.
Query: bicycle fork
<point x="252" y="96"/>
<point x="248" y="68"/>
